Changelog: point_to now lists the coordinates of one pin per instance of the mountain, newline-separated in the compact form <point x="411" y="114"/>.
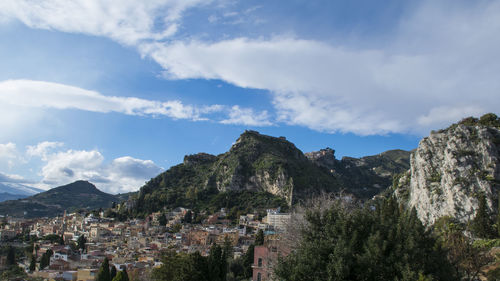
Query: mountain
<point x="366" y="176"/>
<point x="73" y="196"/>
<point x="17" y="189"/>
<point x="266" y="170"/>
<point x="12" y="191"/>
<point x="451" y="168"/>
<point x="261" y="171"/>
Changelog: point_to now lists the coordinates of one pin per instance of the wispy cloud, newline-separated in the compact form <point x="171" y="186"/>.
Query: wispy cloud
<point x="125" y="21"/>
<point x="41" y="94"/>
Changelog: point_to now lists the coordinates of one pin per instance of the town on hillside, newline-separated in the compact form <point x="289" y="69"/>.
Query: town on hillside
<point x="73" y="246"/>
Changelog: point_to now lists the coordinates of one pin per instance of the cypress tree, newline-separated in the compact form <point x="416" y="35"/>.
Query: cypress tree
<point x="112" y="273"/>
<point x="121" y="276"/>
<point x="32" y="263"/>
<point x="103" y="274"/>
<point x="11" y="256"/>
<point x="248" y="261"/>
<point x="482" y="225"/>
<point x="259" y="238"/>
<point x="215" y="263"/>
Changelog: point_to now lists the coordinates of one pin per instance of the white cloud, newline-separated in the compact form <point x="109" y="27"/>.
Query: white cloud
<point x="441" y="57"/>
<point x="122" y="174"/>
<point x="247" y="116"/>
<point x="8" y="150"/>
<point x="41" y="94"/>
<point x="9" y="155"/>
<point x="42" y="149"/>
<point x="29" y="93"/>
<point x="125" y="21"/>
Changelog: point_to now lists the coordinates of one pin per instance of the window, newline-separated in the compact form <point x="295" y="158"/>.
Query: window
<point x="260" y="263"/>
<point x="259" y="277"/>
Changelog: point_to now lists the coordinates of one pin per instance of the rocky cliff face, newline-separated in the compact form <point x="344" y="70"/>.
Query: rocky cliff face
<point x="366" y="176"/>
<point x="450" y="168"/>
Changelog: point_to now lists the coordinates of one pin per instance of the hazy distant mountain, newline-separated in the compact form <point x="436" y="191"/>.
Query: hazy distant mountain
<point x="12" y="191"/>
<point x="17" y="188"/>
<point x="77" y="195"/>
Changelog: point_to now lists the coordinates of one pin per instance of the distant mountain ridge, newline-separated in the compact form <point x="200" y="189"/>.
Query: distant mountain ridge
<point x="73" y="196"/>
<point x="11" y="191"/>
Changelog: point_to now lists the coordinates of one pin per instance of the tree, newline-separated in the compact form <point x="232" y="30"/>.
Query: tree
<point x="377" y="242"/>
<point x="259" y="238"/>
<point x="61" y="240"/>
<point x="188" y="217"/>
<point x="217" y="264"/>
<point x="11" y="256"/>
<point x="162" y="220"/>
<point x="248" y="261"/>
<point x="467" y="259"/>
<point x="104" y="274"/>
<point x="498" y="217"/>
<point x="121" y="276"/>
<point x="32" y="263"/>
<point x="81" y="242"/>
<point x="112" y="272"/>
<point x="45" y="259"/>
<point x="482" y="224"/>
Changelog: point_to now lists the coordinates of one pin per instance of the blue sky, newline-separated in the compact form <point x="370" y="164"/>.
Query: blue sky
<point x="117" y="91"/>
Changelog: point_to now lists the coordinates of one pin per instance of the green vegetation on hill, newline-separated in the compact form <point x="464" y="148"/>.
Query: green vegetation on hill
<point x="71" y="197"/>
<point x="258" y="172"/>
<point x="487" y="120"/>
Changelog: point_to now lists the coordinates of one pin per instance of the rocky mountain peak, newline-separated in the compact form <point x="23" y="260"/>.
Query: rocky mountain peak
<point x="451" y="167"/>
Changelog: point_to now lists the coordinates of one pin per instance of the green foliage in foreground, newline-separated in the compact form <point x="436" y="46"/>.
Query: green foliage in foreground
<point x="380" y="243"/>
<point x="217" y="266"/>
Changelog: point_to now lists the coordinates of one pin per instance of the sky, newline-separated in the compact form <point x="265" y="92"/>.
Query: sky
<point x="117" y="91"/>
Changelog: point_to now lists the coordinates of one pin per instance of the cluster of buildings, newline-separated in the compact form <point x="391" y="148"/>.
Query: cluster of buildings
<point x="137" y="244"/>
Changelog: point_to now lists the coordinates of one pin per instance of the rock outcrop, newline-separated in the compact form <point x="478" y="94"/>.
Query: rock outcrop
<point x="450" y="168"/>
<point x="366" y="176"/>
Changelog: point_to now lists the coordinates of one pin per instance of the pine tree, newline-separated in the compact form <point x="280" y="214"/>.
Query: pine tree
<point x="381" y="242"/>
<point x="103" y="274"/>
